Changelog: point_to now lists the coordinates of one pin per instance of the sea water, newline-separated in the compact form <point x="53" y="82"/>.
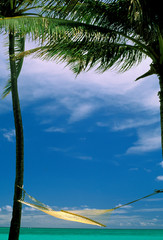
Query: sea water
<point x="84" y="234"/>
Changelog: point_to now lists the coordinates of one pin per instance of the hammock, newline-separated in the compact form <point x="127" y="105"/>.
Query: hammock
<point x="74" y="215"/>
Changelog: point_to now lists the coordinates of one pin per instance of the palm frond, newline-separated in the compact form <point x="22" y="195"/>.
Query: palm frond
<point x="106" y="36"/>
<point x="104" y="53"/>
<point x="39" y="27"/>
<point x="116" y="15"/>
<point x="150" y="72"/>
<point x="7" y="89"/>
<point x="149" y="11"/>
<point x="86" y="46"/>
<point x="10" y="8"/>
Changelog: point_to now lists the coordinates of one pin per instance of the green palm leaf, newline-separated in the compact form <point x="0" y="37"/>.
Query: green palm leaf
<point x="86" y="54"/>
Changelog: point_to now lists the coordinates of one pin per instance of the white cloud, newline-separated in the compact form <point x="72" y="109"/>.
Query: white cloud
<point x="126" y="207"/>
<point x="62" y="150"/>
<point x="80" y="112"/>
<point x="84" y="206"/>
<point x="8" y="134"/>
<point x="88" y="92"/>
<point x="101" y="82"/>
<point x="5" y="219"/>
<point x="147" y="141"/>
<point x="124" y="221"/>
<point x="134" y="123"/>
<point x="119" y="211"/>
<point x="148" y="224"/>
<point x="150" y="210"/>
<point x="7" y="208"/>
<point x="53" y="129"/>
<point x="159" y="178"/>
<point x="102" y="124"/>
<point x="154" y="199"/>
<point x="30" y="209"/>
<point x="161" y="164"/>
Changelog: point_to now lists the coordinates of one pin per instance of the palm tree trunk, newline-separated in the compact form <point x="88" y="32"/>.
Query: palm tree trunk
<point x="17" y="206"/>
<point x="160" y="75"/>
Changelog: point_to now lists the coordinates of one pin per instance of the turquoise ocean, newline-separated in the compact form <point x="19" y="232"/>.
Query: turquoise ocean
<point x="84" y="234"/>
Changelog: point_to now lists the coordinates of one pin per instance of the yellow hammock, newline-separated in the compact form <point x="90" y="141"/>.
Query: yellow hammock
<point x="73" y="215"/>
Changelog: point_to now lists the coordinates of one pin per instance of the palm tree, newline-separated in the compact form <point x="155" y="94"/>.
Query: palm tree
<point x="109" y="34"/>
<point x="19" y="18"/>
<point x="8" y="10"/>
<point x="87" y="33"/>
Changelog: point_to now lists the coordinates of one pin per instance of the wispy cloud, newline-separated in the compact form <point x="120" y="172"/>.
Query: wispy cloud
<point x="8" y="134"/>
<point x="81" y="111"/>
<point x="120" y="211"/>
<point x="148" y="141"/>
<point x="86" y="94"/>
<point x="161" y="164"/>
<point x="126" y="207"/>
<point x="7" y="208"/>
<point x="153" y="200"/>
<point x="149" y="210"/>
<point x="138" y="221"/>
<point x="62" y="150"/>
<point x="81" y="97"/>
<point x="159" y="178"/>
<point x="30" y="209"/>
<point x="134" y="123"/>
<point x="87" y="158"/>
<point x="54" y="129"/>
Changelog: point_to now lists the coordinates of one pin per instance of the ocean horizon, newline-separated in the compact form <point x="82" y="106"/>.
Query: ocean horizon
<point x="84" y="234"/>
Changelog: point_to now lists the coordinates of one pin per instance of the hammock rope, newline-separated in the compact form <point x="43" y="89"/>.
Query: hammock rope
<point x="152" y="194"/>
<point x="74" y="215"/>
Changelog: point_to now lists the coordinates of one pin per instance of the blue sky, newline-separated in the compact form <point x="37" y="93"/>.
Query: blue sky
<point x="90" y="142"/>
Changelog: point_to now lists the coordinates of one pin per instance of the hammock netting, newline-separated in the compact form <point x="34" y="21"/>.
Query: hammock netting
<point x="82" y="216"/>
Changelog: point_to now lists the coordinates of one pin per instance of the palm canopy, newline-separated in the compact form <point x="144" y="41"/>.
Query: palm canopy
<point x="13" y="8"/>
<point x="19" y="18"/>
<point x="27" y="18"/>
<point x="11" y="14"/>
<point x="110" y="33"/>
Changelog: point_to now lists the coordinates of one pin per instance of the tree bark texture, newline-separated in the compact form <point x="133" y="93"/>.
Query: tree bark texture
<point x="160" y="75"/>
<point x="17" y="206"/>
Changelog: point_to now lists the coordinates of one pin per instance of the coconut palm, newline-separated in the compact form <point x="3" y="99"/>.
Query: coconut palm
<point x="109" y="34"/>
<point x="19" y="18"/>
<point x="9" y="11"/>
